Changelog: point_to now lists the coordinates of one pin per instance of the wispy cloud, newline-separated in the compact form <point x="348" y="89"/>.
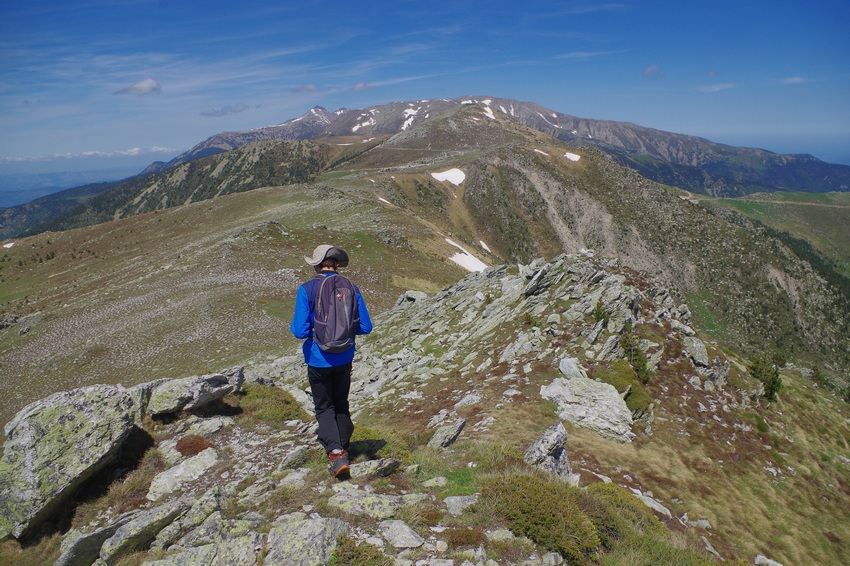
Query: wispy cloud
<point x="305" y="88"/>
<point x="653" y="72"/>
<point x="132" y="152"/>
<point x="794" y="80"/>
<point x="226" y="110"/>
<point x="141" y="88"/>
<point x="585" y="54"/>
<point x="717" y="87"/>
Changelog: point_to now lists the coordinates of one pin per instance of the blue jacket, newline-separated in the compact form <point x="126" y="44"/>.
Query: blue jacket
<point x="302" y="326"/>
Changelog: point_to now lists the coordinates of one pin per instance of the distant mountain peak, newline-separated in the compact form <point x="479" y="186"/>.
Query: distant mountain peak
<point x="688" y="162"/>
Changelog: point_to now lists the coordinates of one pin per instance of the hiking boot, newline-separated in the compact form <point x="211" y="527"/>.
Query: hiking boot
<point x="339" y="463"/>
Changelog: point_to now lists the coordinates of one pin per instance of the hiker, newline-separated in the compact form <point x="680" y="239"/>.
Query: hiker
<point x="329" y="357"/>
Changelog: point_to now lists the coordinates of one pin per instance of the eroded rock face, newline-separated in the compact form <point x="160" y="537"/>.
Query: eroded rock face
<point x="54" y="445"/>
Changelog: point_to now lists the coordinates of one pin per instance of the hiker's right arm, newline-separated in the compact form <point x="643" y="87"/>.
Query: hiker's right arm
<point x="300" y="326"/>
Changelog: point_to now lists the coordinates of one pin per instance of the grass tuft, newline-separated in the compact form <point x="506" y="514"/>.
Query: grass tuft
<point x="268" y="405"/>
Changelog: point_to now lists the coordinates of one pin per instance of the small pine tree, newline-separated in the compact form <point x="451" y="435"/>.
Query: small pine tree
<point x="764" y="369"/>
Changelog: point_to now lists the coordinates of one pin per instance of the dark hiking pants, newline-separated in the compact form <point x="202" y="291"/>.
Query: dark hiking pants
<point x="329" y="387"/>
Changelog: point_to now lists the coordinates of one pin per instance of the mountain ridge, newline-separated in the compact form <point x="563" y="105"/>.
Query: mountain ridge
<point x="689" y="162"/>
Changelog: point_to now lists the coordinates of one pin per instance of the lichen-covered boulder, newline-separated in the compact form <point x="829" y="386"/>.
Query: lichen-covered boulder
<point x="193" y="392"/>
<point x="186" y="471"/>
<point x="309" y="542"/>
<point x="697" y="351"/>
<point x="82" y="549"/>
<point x="241" y="551"/>
<point x="54" y="445"/>
<point x="141" y="530"/>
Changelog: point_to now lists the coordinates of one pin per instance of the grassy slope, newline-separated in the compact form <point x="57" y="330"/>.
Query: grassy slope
<point x="820" y="219"/>
<point x="192" y="289"/>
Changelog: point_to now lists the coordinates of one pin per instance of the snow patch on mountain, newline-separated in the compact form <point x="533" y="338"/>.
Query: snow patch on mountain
<point x="548" y="122"/>
<point x="489" y="113"/>
<point x="453" y="176"/>
<point x="466" y="260"/>
<point x="541" y="151"/>
<point x="572" y="156"/>
<point x="369" y="122"/>
<point x="410" y="115"/>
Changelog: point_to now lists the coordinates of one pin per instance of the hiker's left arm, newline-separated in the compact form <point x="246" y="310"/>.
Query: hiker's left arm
<point x="300" y="326"/>
<point x="365" y="320"/>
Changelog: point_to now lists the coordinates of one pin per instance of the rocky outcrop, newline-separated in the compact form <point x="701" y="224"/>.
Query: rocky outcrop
<point x="54" y="446"/>
<point x="190" y="393"/>
<point x="549" y="452"/>
<point x="592" y="405"/>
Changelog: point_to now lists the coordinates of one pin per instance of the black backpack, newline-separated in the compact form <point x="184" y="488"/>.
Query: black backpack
<point x="336" y="314"/>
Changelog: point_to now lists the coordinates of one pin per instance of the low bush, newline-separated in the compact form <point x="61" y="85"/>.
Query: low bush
<point x="621" y="375"/>
<point x="618" y="515"/>
<point x="192" y="444"/>
<point x="547" y="512"/>
<point x="347" y="553"/>
<point x="763" y="369"/>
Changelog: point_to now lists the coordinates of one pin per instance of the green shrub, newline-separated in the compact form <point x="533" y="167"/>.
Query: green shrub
<point x="621" y="375"/>
<point x="763" y="369"/>
<point x="656" y="552"/>
<point x="464" y="536"/>
<point x="347" y="553"/>
<point x="546" y="511"/>
<point x="618" y="515"/>
<point x="269" y="405"/>
<point x="636" y="357"/>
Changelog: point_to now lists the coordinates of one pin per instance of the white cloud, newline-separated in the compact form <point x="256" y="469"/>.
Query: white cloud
<point x="144" y="86"/>
<point x="717" y="87"/>
<point x="132" y="152"/>
<point x="224" y="111"/>
<point x="794" y="80"/>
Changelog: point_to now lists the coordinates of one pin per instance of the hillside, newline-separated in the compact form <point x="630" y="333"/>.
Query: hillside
<point x="688" y="162"/>
<point x="208" y="284"/>
<point x="669" y="457"/>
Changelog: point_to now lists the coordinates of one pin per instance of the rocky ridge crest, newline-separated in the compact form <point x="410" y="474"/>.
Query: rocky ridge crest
<point x="451" y="367"/>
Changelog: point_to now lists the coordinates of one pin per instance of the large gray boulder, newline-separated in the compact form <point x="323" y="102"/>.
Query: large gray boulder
<point x="82" y="549"/>
<point x="54" y="445"/>
<point x="591" y="404"/>
<point x="696" y="351"/>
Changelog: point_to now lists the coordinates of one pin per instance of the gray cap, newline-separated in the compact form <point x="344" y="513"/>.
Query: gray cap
<point x="327" y="251"/>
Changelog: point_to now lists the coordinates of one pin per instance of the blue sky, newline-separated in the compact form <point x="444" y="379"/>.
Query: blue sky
<point x="96" y="84"/>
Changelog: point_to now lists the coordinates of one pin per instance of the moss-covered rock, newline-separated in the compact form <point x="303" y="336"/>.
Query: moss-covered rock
<point x="54" y="446"/>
